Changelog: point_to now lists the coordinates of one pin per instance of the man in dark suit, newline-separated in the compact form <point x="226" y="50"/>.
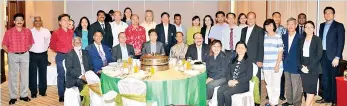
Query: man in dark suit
<point x="301" y="20"/>
<point x="77" y="63"/>
<point x="198" y="50"/>
<point x="332" y="34"/>
<point x="293" y="81"/>
<point x="102" y="26"/>
<point x="253" y="36"/>
<point x="166" y="32"/>
<point x="122" y="50"/>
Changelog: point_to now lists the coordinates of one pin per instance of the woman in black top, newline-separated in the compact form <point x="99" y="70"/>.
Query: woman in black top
<point x="206" y="28"/>
<point x="238" y="75"/>
<point x="216" y="65"/>
<point x="310" y="52"/>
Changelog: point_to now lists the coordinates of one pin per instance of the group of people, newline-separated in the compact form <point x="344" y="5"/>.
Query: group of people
<point x="293" y="56"/>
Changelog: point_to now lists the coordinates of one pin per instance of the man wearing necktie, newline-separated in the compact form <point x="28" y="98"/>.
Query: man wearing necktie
<point x="99" y="53"/>
<point x="102" y="26"/>
<point x="301" y="21"/>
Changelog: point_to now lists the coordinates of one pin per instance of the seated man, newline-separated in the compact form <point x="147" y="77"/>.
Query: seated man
<point x="198" y="50"/>
<point x="153" y="46"/>
<point x="100" y="54"/>
<point x="77" y="63"/>
<point x="122" y="50"/>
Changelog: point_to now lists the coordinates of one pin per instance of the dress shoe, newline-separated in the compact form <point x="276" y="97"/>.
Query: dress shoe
<point x="322" y="101"/>
<point x="43" y="94"/>
<point x="282" y="98"/>
<point x="12" y="101"/>
<point x="267" y="97"/>
<point x="333" y="104"/>
<point x="33" y="96"/>
<point x="286" y="104"/>
<point x="61" y="99"/>
<point x="256" y="104"/>
<point x="49" y="64"/>
<point x="24" y="99"/>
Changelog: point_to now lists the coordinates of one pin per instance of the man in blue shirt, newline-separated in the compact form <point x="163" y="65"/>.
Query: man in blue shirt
<point x="216" y="30"/>
<point x="332" y="34"/>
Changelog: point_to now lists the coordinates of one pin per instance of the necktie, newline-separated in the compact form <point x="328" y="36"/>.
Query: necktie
<point x="103" y="26"/>
<point x="301" y="31"/>
<point x="102" y="55"/>
<point x="81" y="61"/>
<point x="231" y="43"/>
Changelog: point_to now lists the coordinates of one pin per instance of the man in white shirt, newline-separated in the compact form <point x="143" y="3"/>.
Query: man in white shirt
<point x="230" y="35"/>
<point x="179" y="26"/>
<point x="38" y="58"/>
<point x="117" y="26"/>
<point x="149" y="22"/>
<point x="77" y="63"/>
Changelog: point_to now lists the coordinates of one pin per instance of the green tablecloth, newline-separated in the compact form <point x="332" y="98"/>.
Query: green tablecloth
<point x="189" y="91"/>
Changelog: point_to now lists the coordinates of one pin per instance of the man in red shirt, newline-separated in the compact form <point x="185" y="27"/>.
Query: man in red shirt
<point x="61" y="43"/>
<point x="136" y="35"/>
<point x="17" y="42"/>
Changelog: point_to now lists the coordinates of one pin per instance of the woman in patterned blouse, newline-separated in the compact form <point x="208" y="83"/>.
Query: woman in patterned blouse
<point x="136" y="35"/>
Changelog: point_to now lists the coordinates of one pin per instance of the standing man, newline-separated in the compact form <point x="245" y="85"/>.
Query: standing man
<point x="301" y="20"/>
<point x="61" y="44"/>
<point x="253" y="36"/>
<point x="293" y="83"/>
<point x="117" y="26"/>
<point x="39" y="58"/>
<point x="102" y="26"/>
<point x="230" y="35"/>
<point x="180" y="27"/>
<point x="166" y="32"/>
<point x="332" y="34"/>
<point x="276" y="16"/>
<point x="217" y="29"/>
<point x="17" y="42"/>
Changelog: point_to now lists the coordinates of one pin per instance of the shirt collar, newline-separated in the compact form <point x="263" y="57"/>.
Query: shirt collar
<point x="101" y="22"/>
<point x="329" y="22"/>
<point x="36" y="29"/>
<point x="97" y="46"/>
<point x="251" y="27"/>
<point x="293" y="34"/>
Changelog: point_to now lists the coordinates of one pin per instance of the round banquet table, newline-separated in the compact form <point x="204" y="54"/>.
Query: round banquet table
<point x="186" y="90"/>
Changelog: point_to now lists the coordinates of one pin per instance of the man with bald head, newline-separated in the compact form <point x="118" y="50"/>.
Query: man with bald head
<point x="117" y="27"/>
<point x="253" y="36"/>
<point x="38" y="58"/>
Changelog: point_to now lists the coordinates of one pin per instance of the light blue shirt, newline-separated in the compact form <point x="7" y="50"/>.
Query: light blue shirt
<point x="124" y="52"/>
<point x="153" y="47"/>
<point x="216" y="31"/>
<point x="84" y="39"/>
<point x="325" y="32"/>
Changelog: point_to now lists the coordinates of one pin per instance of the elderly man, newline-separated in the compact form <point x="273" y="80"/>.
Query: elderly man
<point x="38" y="58"/>
<point x="77" y="63"/>
<point x="17" y="42"/>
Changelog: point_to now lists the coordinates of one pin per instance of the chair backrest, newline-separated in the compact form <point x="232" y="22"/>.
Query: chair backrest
<point x="131" y="86"/>
<point x="91" y="77"/>
<point x="255" y="69"/>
